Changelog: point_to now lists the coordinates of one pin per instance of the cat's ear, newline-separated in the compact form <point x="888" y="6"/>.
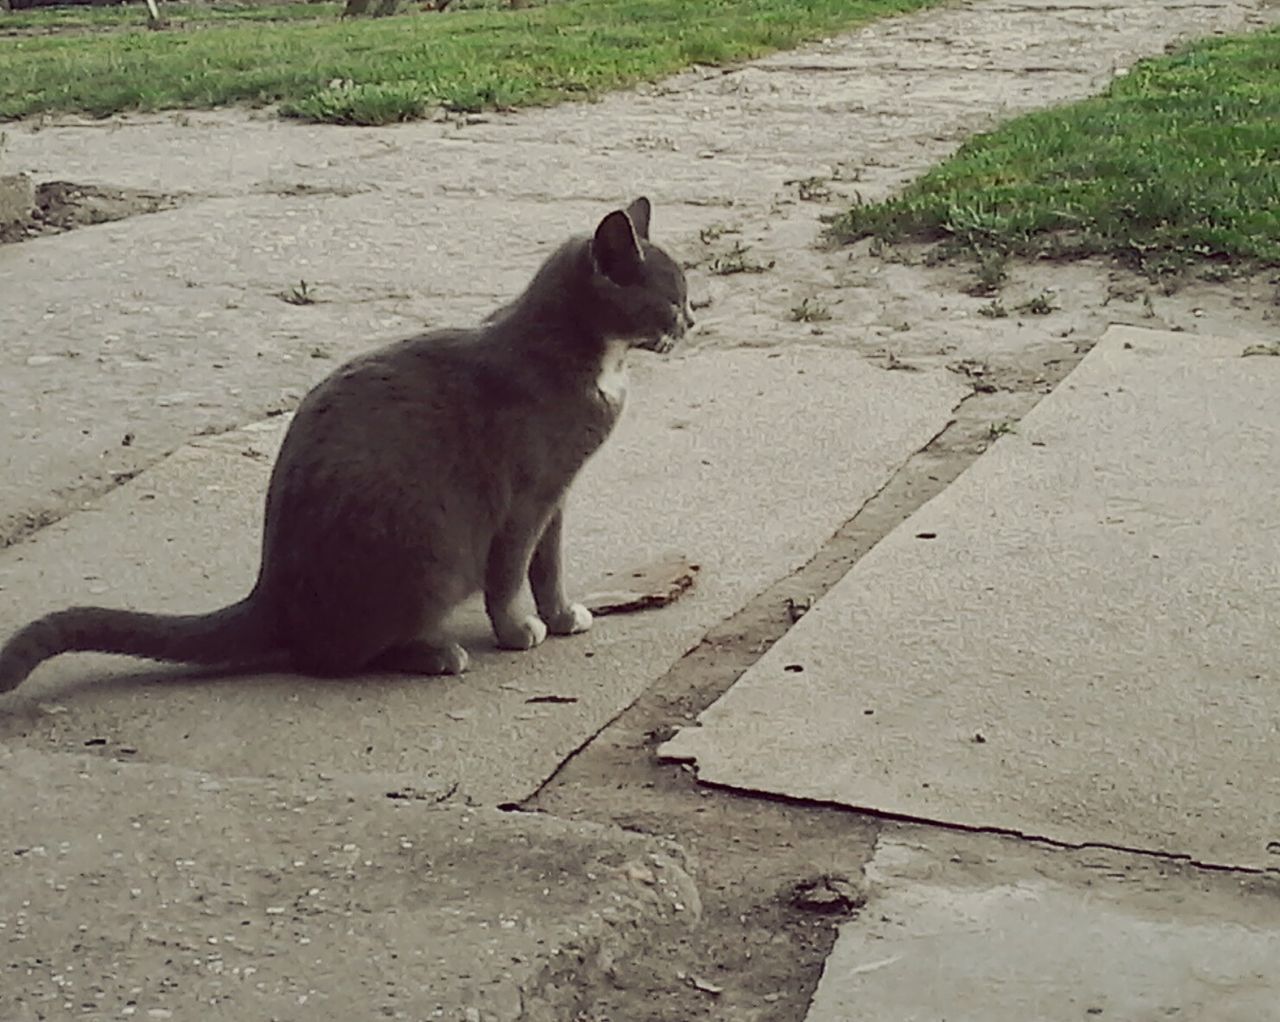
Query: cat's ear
<point x="616" y="250"/>
<point x="638" y="213"/>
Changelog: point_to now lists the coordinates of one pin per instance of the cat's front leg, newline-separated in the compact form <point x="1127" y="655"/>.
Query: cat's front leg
<point x="509" y="557"/>
<point x="547" y="582"/>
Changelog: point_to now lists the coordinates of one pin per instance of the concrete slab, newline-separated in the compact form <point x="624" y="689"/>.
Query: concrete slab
<point x="745" y="462"/>
<point x="1076" y="640"/>
<point x="155" y="893"/>
<point x="929" y="947"/>
<point x="17" y="197"/>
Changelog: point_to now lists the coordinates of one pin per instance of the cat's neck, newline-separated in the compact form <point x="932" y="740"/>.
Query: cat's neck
<point x="551" y="318"/>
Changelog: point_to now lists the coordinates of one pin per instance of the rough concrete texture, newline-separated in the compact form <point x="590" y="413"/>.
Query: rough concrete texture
<point x="937" y="944"/>
<point x="745" y="462"/>
<point x="135" y="336"/>
<point x="163" y="326"/>
<point x="1075" y="640"/>
<point x="159" y="893"/>
<point x="17" y="197"/>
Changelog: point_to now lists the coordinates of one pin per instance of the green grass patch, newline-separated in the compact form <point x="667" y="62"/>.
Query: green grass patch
<point x="134" y="15"/>
<point x="391" y="68"/>
<point x="1176" y="163"/>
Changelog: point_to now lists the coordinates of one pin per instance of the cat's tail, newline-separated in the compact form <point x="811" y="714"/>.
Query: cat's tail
<point x="232" y="635"/>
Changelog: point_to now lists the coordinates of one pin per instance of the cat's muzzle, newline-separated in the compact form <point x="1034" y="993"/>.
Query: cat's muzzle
<point x="661" y="344"/>
<point x="665" y="342"/>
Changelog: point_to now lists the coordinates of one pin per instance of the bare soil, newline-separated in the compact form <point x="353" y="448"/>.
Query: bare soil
<point x="63" y="206"/>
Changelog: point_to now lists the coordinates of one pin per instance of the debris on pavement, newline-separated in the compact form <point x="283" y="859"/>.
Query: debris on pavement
<point x="828" y="894"/>
<point x="644" y="588"/>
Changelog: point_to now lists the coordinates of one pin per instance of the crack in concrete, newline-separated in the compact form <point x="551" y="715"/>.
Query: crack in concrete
<point x="950" y="825"/>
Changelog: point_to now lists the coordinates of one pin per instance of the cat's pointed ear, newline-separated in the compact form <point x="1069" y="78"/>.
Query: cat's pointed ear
<point x="638" y="213"/>
<point x="616" y="250"/>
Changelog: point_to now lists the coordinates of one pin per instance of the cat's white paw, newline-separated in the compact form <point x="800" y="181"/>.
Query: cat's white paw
<point x="453" y="659"/>
<point x="573" y="619"/>
<point x="520" y="633"/>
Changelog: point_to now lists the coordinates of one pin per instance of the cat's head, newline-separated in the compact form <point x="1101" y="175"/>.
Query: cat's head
<point x="639" y="292"/>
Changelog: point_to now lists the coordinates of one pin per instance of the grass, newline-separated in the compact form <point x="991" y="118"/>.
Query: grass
<point x="1177" y="163"/>
<point x="134" y="15"/>
<point x="388" y="69"/>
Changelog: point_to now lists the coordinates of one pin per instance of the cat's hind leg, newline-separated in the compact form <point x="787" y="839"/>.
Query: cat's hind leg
<point x="422" y="656"/>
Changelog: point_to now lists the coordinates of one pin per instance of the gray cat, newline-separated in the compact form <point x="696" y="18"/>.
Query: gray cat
<point x="419" y="474"/>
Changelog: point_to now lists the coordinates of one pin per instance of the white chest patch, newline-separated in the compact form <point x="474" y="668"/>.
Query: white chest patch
<point x="612" y="381"/>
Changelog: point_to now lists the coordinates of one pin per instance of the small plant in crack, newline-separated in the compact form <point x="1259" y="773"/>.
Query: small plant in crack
<point x="736" y="261"/>
<point x="300" y="295"/>
<point x="714" y="232"/>
<point x="1040" y="305"/>
<point x="811" y="189"/>
<point x="1001" y="428"/>
<point x="895" y="365"/>
<point x="1213" y="274"/>
<point x="810" y="310"/>
<point x="847" y="171"/>
<point x="990" y="274"/>
<point x="994" y="309"/>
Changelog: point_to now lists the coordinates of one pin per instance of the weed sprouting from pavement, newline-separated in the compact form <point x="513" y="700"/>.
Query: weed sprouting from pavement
<point x="1038" y="305"/>
<point x="810" y="310"/>
<point x="300" y="295"/>
<point x="736" y="260"/>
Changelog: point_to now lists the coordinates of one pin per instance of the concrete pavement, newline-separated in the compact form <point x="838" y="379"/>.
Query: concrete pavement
<point x="152" y="892"/>
<point x="136" y="336"/>
<point x="133" y="337"/>
<point x="1075" y="642"/>
<point x="1083" y="628"/>
<point x="723" y="457"/>
<point x="967" y="931"/>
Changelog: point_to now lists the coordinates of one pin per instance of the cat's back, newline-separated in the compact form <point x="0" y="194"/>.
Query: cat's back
<point x="421" y="364"/>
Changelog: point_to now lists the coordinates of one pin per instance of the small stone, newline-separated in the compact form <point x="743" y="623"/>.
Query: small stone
<point x="829" y="894"/>
<point x="640" y="874"/>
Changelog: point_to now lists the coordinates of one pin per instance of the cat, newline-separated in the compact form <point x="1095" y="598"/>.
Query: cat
<point x="419" y="474"/>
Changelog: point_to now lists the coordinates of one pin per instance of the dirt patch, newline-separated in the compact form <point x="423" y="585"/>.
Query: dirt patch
<point x="63" y="206"/>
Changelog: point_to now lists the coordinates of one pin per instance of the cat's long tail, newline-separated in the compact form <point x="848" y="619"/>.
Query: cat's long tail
<point x="232" y="635"/>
